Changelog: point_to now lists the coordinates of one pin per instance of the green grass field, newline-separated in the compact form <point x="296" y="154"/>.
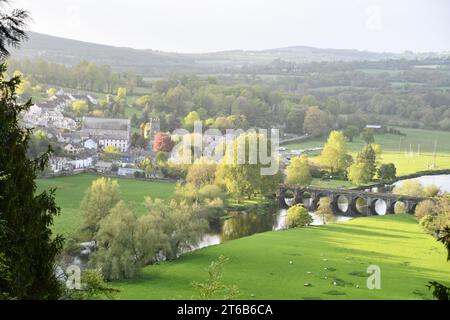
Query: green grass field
<point x="396" y="149"/>
<point x="71" y="190"/>
<point x="261" y="267"/>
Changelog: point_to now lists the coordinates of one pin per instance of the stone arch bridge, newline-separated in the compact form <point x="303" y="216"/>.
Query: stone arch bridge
<point x="292" y="194"/>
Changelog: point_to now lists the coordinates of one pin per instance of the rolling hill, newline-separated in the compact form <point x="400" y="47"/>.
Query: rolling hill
<point x="152" y="62"/>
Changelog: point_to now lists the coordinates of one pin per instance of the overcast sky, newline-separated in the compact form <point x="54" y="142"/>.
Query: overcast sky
<point x="215" y="25"/>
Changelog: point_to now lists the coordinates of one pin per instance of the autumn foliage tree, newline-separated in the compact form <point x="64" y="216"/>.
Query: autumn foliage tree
<point x="163" y="142"/>
<point x="316" y="121"/>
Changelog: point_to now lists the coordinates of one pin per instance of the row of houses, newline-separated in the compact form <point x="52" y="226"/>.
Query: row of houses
<point x="49" y="114"/>
<point x="60" y="165"/>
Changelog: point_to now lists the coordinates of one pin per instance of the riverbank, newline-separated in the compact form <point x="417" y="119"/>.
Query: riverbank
<point x="406" y="177"/>
<point x="333" y="259"/>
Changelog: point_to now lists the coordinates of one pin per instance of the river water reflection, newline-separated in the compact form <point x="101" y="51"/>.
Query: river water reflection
<point x="242" y="224"/>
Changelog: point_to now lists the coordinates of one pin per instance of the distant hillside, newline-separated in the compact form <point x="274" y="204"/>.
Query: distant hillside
<point x="66" y="51"/>
<point x="149" y="62"/>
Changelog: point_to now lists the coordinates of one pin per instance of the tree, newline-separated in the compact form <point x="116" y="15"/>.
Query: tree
<point x="121" y="95"/>
<point x="441" y="291"/>
<point x="80" y="107"/>
<point x="161" y="157"/>
<point x="324" y="211"/>
<point x="333" y="105"/>
<point x="240" y="176"/>
<point x="368" y="156"/>
<point x="111" y="153"/>
<point x="359" y="173"/>
<point x="308" y="101"/>
<point x="178" y="99"/>
<point x="333" y="155"/>
<point x="295" y="120"/>
<point x="425" y="208"/>
<point x="368" y="136"/>
<point x="387" y="172"/>
<point x="93" y="287"/>
<point x="12" y="25"/>
<point x="213" y="286"/>
<point x="163" y="142"/>
<point x="316" y="121"/>
<point x="190" y="119"/>
<point x="434" y="215"/>
<point x="180" y="222"/>
<point x="138" y="141"/>
<point x="51" y="92"/>
<point x="432" y="191"/>
<point x="115" y="253"/>
<point x="25" y="89"/>
<point x="364" y="169"/>
<point x="201" y="174"/>
<point x="298" y="216"/>
<point x="144" y="101"/>
<point x="147" y="166"/>
<point x="411" y="188"/>
<point x="298" y="171"/>
<point x="100" y="198"/>
<point x="28" y="248"/>
<point x="351" y="132"/>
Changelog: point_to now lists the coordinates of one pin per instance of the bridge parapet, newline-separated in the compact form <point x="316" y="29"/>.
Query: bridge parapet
<point x="300" y="194"/>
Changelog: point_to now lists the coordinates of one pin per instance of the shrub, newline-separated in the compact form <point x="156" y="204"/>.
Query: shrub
<point x="298" y="216"/>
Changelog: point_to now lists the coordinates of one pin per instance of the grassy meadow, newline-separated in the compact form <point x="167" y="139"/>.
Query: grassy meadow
<point x="411" y="153"/>
<point x="71" y="190"/>
<point x="333" y="259"/>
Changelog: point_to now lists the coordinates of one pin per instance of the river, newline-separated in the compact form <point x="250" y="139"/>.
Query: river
<point x="442" y="181"/>
<point x="242" y="224"/>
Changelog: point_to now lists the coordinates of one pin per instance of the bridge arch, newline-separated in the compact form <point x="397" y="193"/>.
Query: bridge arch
<point x="379" y="207"/>
<point x="343" y="203"/>
<point x="398" y="206"/>
<point x="315" y="199"/>
<point x="359" y="205"/>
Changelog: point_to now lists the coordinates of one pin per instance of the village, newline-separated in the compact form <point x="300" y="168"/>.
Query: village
<point x="84" y="139"/>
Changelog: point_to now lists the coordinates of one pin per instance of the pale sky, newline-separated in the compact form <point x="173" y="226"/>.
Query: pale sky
<point x="215" y="25"/>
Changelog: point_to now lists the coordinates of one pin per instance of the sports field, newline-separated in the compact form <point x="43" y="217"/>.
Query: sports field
<point x="411" y="153"/>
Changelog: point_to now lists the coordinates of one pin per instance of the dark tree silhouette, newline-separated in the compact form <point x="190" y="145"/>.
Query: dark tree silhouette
<point x="440" y="291"/>
<point x="27" y="247"/>
<point x="12" y="26"/>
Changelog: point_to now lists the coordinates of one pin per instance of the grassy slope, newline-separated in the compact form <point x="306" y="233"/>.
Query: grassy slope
<point x="260" y="264"/>
<point x="394" y="148"/>
<point x="70" y="192"/>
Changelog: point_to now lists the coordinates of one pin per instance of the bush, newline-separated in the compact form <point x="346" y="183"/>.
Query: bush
<point x="298" y="216"/>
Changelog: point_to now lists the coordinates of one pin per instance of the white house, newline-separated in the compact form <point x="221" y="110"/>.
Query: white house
<point x="129" y="172"/>
<point x="108" y="132"/>
<point x="82" y="163"/>
<point x="69" y="148"/>
<point x="103" y="166"/>
<point x="58" y="164"/>
<point x="90" y="144"/>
